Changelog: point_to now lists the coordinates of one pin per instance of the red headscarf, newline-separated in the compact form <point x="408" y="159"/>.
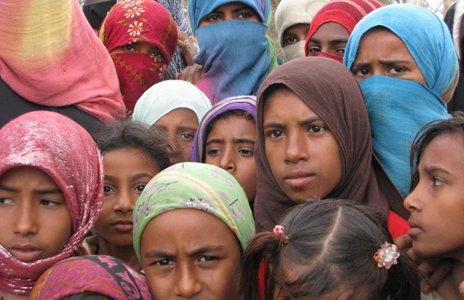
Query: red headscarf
<point x="66" y="152"/>
<point x="131" y="21"/>
<point x="347" y="13"/>
<point x="54" y="58"/>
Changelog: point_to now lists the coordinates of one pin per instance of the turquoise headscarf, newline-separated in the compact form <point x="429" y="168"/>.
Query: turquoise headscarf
<point x="399" y="108"/>
<point x="196" y="186"/>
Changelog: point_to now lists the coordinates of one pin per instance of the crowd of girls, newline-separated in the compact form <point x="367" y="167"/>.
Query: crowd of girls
<point x="154" y="153"/>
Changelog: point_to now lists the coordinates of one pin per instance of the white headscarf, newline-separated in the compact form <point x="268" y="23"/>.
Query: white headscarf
<point x="458" y="16"/>
<point x="167" y="96"/>
<point x="292" y="12"/>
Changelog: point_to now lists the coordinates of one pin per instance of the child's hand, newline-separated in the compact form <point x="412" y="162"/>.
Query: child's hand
<point x="187" y="45"/>
<point x="461" y="288"/>
<point x="432" y="272"/>
<point x="191" y="74"/>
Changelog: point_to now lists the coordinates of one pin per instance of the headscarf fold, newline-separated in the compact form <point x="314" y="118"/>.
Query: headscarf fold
<point x="167" y="96"/>
<point x="227" y="71"/>
<point x="292" y="12"/>
<point x="243" y="103"/>
<point x="131" y="21"/>
<point x="104" y="275"/>
<point x="56" y="59"/>
<point x="65" y="152"/>
<point x="195" y="186"/>
<point x="332" y="93"/>
<point x="398" y="108"/>
<point x="345" y="13"/>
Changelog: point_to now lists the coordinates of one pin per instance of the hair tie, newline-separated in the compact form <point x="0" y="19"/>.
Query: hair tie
<point x="387" y="256"/>
<point x="279" y="230"/>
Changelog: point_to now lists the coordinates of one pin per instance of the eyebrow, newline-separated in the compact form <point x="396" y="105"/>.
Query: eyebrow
<point x="303" y="122"/>
<point x="135" y="177"/>
<point x="236" y="141"/>
<point x="384" y="62"/>
<point x="336" y="41"/>
<point x="193" y="253"/>
<point x="44" y="191"/>
<point x="182" y="128"/>
<point x="433" y="169"/>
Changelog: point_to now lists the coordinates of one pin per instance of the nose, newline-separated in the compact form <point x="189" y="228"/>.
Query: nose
<point x="412" y="201"/>
<point x="125" y="201"/>
<point x="26" y="223"/>
<point x="296" y="148"/>
<point x="227" y="160"/>
<point x="187" y="284"/>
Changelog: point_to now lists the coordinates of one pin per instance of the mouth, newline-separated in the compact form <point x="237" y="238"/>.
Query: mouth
<point x="299" y="180"/>
<point x="26" y="252"/>
<point x="123" y="226"/>
<point x="414" y="229"/>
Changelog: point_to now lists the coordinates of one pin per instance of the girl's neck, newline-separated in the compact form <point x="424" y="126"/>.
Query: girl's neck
<point x="124" y="253"/>
<point x="449" y="289"/>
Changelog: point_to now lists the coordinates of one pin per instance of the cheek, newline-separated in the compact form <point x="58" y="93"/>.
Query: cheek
<point x="225" y="280"/>
<point x="56" y="232"/>
<point x="275" y="152"/>
<point x="328" y="156"/>
<point x="6" y="225"/>
<point x="105" y="214"/>
<point x="160" y="286"/>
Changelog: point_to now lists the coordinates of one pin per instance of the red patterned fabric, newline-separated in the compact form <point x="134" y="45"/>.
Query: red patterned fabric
<point x="347" y="13"/>
<point x="132" y="21"/>
<point x="104" y="275"/>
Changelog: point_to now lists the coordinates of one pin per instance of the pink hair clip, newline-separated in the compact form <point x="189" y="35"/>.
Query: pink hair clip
<point x="387" y="256"/>
<point x="280" y="231"/>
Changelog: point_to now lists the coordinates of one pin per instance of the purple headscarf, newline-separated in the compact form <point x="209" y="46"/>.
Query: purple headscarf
<point x="245" y="103"/>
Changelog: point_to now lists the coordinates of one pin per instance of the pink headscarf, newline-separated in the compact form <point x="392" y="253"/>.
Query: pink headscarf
<point x="63" y="150"/>
<point x="54" y="58"/>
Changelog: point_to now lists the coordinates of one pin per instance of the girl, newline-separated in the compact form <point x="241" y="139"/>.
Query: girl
<point x="57" y="63"/>
<point x="132" y="155"/>
<point x="227" y="137"/>
<point x="404" y="60"/>
<point x="332" y="26"/>
<point x="141" y="37"/>
<point x="329" y="249"/>
<point x="314" y="140"/>
<point x="292" y="19"/>
<point x="91" y="277"/>
<point x="177" y="107"/>
<point x="192" y="223"/>
<point x="436" y="202"/>
<point x="51" y="190"/>
<point x="235" y="54"/>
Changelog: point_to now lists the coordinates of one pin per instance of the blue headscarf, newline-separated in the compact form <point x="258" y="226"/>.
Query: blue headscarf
<point x="399" y="108"/>
<point x="236" y="55"/>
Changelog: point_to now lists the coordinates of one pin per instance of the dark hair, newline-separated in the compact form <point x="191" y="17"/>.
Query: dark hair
<point x="132" y="134"/>
<point x="330" y="245"/>
<point x="231" y="113"/>
<point x="429" y="132"/>
<point x="87" y="296"/>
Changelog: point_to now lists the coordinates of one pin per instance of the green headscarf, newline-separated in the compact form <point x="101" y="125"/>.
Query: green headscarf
<point x="198" y="186"/>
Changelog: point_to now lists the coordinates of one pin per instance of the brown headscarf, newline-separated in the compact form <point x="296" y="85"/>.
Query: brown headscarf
<point x="332" y="93"/>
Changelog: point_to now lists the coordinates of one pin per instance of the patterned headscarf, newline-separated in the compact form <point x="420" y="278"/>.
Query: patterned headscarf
<point x="65" y="152"/>
<point x="243" y="103"/>
<point x="104" y="275"/>
<point x="197" y="186"/>
<point x="131" y="21"/>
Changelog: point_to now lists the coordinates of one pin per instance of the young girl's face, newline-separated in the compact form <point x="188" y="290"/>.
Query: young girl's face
<point x="34" y="218"/>
<point x="127" y="171"/>
<point x="181" y="125"/>
<point x="190" y="254"/>
<point x="437" y="202"/>
<point x="294" y="34"/>
<point x="383" y="53"/>
<point x="330" y="38"/>
<point x="230" y="11"/>
<point x="230" y="145"/>
<point x="302" y="152"/>
<point x="141" y="47"/>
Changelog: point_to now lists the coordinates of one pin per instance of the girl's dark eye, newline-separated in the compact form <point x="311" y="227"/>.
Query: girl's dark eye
<point x="437" y="182"/>
<point x="5" y="201"/>
<point x="129" y="47"/>
<point x="316" y="129"/>
<point x="396" y="70"/>
<point x="273" y="134"/>
<point x="163" y="262"/>
<point x="206" y="258"/>
<point x="139" y="188"/>
<point x="246" y="152"/>
<point x="361" y="71"/>
<point x="187" y="136"/>
<point x="107" y="189"/>
<point x="314" y="50"/>
<point x="290" y="40"/>
<point x="49" y="203"/>
<point x="340" y="51"/>
<point x="213" y="152"/>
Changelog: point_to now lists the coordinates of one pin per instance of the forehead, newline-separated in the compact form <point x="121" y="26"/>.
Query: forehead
<point x="27" y="175"/>
<point x="332" y="31"/>
<point x="284" y="102"/>
<point x="447" y="150"/>
<point x="179" y="116"/>
<point x="233" y="6"/>
<point x="383" y="44"/>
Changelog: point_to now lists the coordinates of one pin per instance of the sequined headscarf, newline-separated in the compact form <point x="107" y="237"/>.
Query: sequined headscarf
<point x="64" y="151"/>
<point x="104" y="275"/>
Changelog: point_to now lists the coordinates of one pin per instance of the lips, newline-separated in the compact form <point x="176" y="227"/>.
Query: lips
<point x="26" y="252"/>
<point x="299" y="179"/>
<point x="123" y="226"/>
<point x="414" y="229"/>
